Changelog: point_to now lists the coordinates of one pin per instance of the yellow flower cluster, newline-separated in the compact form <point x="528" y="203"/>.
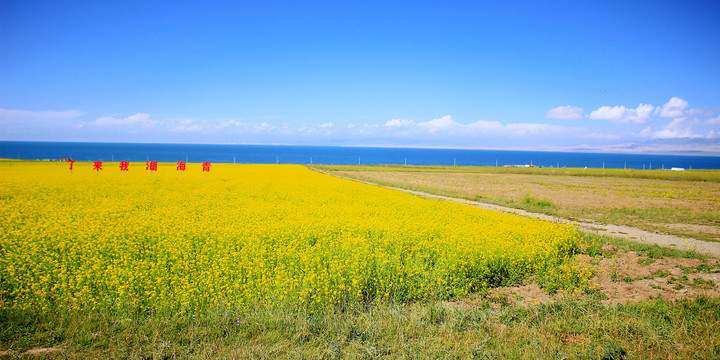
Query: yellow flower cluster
<point x="246" y="235"/>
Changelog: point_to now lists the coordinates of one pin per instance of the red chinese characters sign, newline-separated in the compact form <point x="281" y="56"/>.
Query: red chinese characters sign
<point x="180" y="166"/>
<point x="97" y="166"/>
<point x="206" y="166"/>
<point x="124" y="166"/>
<point x="151" y="165"/>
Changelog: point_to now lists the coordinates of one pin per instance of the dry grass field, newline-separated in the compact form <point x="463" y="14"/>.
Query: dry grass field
<point x="683" y="204"/>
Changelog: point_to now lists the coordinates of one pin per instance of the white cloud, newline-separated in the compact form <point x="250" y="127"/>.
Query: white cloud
<point x="566" y="112"/>
<point x="692" y="124"/>
<point x="623" y="115"/>
<point x="139" y="119"/>
<point x="523" y="129"/>
<point x="447" y="125"/>
<point x="396" y="123"/>
<point x="679" y="128"/>
<point x="601" y="136"/>
<point x="674" y="108"/>
<point x="713" y="121"/>
<point x="485" y="126"/>
<point x="444" y="123"/>
<point x="686" y="123"/>
<point x="675" y="133"/>
<point x="693" y="147"/>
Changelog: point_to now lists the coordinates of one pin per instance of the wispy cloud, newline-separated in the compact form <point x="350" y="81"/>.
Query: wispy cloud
<point x="690" y="147"/>
<point x="139" y="119"/>
<point x="566" y="112"/>
<point x="397" y="123"/>
<point x="668" y="122"/>
<point x="10" y="115"/>
<point x="447" y="125"/>
<point x="28" y="123"/>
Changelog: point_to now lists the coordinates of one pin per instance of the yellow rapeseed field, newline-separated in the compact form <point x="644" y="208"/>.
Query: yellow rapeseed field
<point x="243" y="236"/>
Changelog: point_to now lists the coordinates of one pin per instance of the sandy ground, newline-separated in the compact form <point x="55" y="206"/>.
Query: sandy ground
<point x="642" y="236"/>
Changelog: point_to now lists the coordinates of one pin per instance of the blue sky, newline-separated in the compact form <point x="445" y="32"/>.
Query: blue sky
<point x="620" y="76"/>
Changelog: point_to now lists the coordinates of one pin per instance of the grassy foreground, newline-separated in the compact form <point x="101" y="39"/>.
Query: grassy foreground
<point x="572" y="328"/>
<point x="485" y="325"/>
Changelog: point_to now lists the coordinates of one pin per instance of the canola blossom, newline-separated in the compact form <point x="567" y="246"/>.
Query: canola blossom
<point x="244" y="236"/>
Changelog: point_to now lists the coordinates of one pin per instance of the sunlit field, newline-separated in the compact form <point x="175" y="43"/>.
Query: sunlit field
<point x="682" y="203"/>
<point x="246" y="235"/>
<point x="280" y="261"/>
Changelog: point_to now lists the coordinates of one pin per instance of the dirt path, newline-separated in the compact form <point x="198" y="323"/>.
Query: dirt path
<point x="589" y="226"/>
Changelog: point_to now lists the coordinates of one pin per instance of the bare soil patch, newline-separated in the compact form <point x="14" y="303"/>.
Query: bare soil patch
<point x="33" y="351"/>
<point x="38" y="351"/>
<point x="712" y="231"/>
<point x="627" y="277"/>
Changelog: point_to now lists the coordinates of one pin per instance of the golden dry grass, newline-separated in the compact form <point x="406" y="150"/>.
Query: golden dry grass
<point x="685" y="208"/>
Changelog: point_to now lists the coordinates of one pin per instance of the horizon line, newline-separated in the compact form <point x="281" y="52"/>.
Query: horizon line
<point x="577" y="149"/>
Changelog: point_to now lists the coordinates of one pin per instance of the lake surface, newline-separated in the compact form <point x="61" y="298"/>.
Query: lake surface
<point x="271" y="154"/>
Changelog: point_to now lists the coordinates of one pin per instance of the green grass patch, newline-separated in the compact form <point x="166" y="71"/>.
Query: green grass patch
<point x="702" y="268"/>
<point x="571" y="328"/>
<point x="533" y="202"/>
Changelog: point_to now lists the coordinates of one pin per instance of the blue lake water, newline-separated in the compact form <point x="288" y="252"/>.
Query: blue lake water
<point x="270" y="154"/>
